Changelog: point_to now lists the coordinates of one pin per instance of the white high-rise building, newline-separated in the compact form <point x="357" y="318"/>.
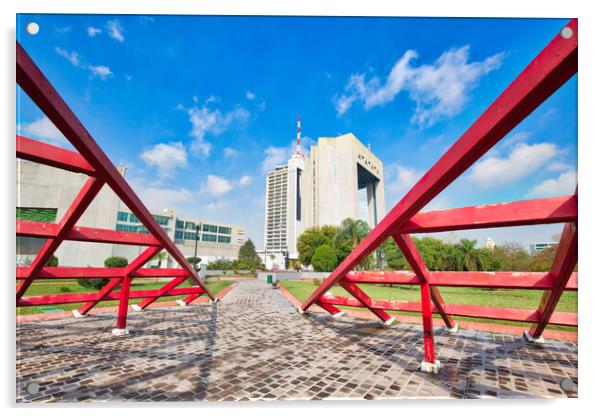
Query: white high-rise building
<point x="341" y="178"/>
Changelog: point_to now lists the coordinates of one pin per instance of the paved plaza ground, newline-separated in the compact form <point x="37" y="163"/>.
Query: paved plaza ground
<point x="253" y="345"/>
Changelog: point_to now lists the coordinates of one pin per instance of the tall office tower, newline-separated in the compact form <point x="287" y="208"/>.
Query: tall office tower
<point x="341" y="178"/>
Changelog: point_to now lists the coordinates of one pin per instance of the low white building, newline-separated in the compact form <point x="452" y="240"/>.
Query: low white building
<point x="44" y="194"/>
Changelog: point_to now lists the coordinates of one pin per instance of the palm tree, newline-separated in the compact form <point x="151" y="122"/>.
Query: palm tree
<point x="348" y="236"/>
<point x="351" y="230"/>
<point x="160" y="257"/>
<point x="467" y="257"/>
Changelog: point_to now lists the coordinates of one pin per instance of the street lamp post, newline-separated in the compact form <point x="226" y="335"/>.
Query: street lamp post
<point x="196" y="244"/>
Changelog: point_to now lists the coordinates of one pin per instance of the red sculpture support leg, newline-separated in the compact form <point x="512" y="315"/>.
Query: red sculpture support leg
<point x="360" y="295"/>
<point x="562" y="269"/>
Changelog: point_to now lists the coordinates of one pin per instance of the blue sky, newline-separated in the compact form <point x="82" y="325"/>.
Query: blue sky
<point x="199" y="107"/>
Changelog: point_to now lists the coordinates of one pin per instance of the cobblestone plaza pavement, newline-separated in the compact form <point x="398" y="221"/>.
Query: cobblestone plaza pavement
<point x="253" y="345"/>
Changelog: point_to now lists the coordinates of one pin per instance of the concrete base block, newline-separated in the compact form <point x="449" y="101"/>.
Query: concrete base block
<point x="339" y="314"/>
<point x="531" y="340"/>
<point x="427" y="367"/>
<point x="137" y="308"/>
<point x="388" y="322"/>
<point x="120" y="332"/>
<point x="214" y="300"/>
<point x="453" y="330"/>
<point x="181" y="302"/>
<point x="76" y="314"/>
<point x="301" y="311"/>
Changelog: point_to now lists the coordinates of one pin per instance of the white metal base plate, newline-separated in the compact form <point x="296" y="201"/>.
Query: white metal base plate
<point x="427" y="367"/>
<point x="76" y="314"/>
<point x="120" y="332"/>
<point x="531" y="340"/>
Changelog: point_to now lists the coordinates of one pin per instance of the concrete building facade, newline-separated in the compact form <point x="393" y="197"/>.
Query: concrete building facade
<point x="45" y="193"/>
<point x="340" y="178"/>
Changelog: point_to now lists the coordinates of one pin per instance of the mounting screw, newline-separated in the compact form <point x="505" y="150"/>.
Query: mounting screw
<point x="566" y="32"/>
<point x="33" y="388"/>
<point x="32" y="28"/>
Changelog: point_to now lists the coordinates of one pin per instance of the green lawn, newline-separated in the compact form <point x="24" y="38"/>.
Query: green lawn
<point x="67" y="287"/>
<point x="509" y="298"/>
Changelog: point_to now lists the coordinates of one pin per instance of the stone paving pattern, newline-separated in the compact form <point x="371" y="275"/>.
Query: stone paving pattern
<point x="253" y="345"/>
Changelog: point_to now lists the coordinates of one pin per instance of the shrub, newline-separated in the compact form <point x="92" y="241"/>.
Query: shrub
<point x="99" y="283"/>
<point x="324" y="259"/>
<point x="53" y="261"/>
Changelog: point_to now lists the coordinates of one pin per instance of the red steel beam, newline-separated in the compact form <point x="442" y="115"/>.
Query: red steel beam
<point x="161" y="292"/>
<point x="87" y="234"/>
<point x="96" y="272"/>
<point x="40" y="300"/>
<point x="505" y="280"/>
<point x="365" y="300"/>
<point x="471" y="311"/>
<point x="190" y="298"/>
<point x="510" y="214"/>
<point x="137" y="263"/>
<point x="540" y="79"/>
<point x="79" y="205"/>
<point x="412" y="255"/>
<point x="124" y="294"/>
<point x="562" y="268"/>
<point x="331" y="309"/>
<point x="46" y="154"/>
<point x="41" y="91"/>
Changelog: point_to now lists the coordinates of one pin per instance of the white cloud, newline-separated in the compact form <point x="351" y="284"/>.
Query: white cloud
<point x="166" y="157"/>
<point x="100" y="71"/>
<point x="156" y="198"/>
<point x="274" y="156"/>
<point x="250" y="95"/>
<point x="522" y="160"/>
<point x="216" y="185"/>
<point x="245" y="180"/>
<point x="230" y="152"/>
<point x="402" y="178"/>
<point x="205" y="120"/>
<point x="565" y="184"/>
<point x="93" y="31"/>
<point x="115" y="30"/>
<point x="72" y="56"/>
<point x="439" y="90"/>
<point x="558" y="167"/>
<point x="43" y="129"/>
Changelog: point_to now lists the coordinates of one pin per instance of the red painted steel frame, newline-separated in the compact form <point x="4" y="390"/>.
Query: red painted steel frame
<point x="89" y="160"/>
<point x="554" y="65"/>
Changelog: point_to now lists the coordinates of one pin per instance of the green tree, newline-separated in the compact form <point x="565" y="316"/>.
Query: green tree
<point x="324" y="259"/>
<point x="468" y="257"/>
<point x="193" y="260"/>
<point x="99" y="283"/>
<point x="311" y="239"/>
<point x="160" y="257"/>
<point x="512" y="257"/>
<point x="53" y="261"/>
<point x="348" y="236"/>
<point x="542" y="260"/>
<point x="247" y="256"/>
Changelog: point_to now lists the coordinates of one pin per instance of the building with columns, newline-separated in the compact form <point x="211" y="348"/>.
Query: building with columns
<point x="340" y="178"/>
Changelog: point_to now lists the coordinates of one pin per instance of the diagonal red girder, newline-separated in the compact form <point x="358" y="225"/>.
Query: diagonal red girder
<point x="136" y="264"/>
<point x="44" y="95"/>
<point x="562" y="268"/>
<point x="541" y="78"/>
<point x="412" y="255"/>
<point x="162" y="291"/>
<point x="79" y="205"/>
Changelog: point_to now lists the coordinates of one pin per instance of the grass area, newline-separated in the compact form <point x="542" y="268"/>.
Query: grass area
<point x="66" y="287"/>
<point x="508" y="298"/>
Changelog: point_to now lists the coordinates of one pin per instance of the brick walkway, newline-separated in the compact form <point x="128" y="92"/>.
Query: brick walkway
<point x="254" y="346"/>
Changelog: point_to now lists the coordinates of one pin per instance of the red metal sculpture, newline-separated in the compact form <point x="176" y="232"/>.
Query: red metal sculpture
<point x="541" y="78"/>
<point x="92" y="161"/>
